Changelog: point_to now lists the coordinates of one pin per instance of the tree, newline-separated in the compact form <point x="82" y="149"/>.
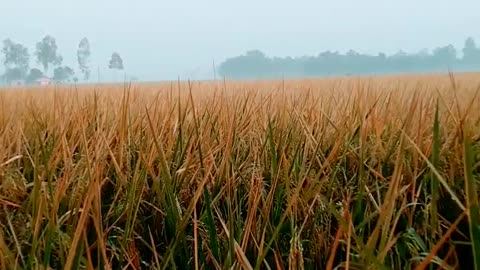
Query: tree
<point x="34" y="75"/>
<point x="471" y="54"/>
<point x="116" y="62"/>
<point x="470" y="47"/>
<point x="352" y="53"/>
<point x="16" y="55"/>
<point x="47" y="53"/>
<point x="445" y="55"/>
<point x="255" y="64"/>
<point x="63" y="74"/>
<point x="255" y="54"/>
<point x="83" y="55"/>
<point x="13" y="74"/>
<point x="16" y="60"/>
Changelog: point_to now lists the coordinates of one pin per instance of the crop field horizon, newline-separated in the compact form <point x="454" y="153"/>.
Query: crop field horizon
<point x="335" y="173"/>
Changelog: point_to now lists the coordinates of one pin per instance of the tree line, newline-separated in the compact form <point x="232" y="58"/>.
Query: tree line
<point x="16" y="60"/>
<point x="255" y="64"/>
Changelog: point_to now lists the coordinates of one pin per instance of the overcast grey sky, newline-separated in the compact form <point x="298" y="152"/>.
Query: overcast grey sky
<point x="165" y="39"/>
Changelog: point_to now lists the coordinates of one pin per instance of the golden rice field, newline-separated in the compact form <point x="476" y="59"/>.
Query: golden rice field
<point x="340" y="173"/>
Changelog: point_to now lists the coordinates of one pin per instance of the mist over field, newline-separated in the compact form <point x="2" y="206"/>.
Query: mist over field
<point x="164" y="40"/>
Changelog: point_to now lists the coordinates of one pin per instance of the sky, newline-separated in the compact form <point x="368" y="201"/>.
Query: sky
<point x="165" y="40"/>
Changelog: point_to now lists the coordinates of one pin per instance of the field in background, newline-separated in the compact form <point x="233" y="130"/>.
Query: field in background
<point x="377" y="173"/>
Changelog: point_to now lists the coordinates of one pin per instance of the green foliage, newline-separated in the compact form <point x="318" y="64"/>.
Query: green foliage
<point x="472" y="200"/>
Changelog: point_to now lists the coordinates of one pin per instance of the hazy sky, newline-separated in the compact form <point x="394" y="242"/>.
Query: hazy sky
<point x="166" y="39"/>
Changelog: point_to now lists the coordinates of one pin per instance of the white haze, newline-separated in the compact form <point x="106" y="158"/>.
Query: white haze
<point x="161" y="40"/>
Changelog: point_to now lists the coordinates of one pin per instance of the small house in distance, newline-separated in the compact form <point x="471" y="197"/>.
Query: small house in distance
<point x="43" y="81"/>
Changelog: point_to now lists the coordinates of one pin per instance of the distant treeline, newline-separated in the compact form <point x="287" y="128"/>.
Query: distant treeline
<point x="17" y="63"/>
<point x="255" y="64"/>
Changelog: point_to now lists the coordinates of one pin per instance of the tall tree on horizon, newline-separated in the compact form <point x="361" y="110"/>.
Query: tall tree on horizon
<point x="471" y="54"/>
<point x="83" y="55"/>
<point x="46" y="52"/>
<point x="116" y="63"/>
<point x="16" y="60"/>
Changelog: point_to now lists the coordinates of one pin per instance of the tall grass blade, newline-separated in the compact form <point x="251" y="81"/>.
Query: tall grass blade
<point x="434" y="185"/>
<point x="472" y="201"/>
